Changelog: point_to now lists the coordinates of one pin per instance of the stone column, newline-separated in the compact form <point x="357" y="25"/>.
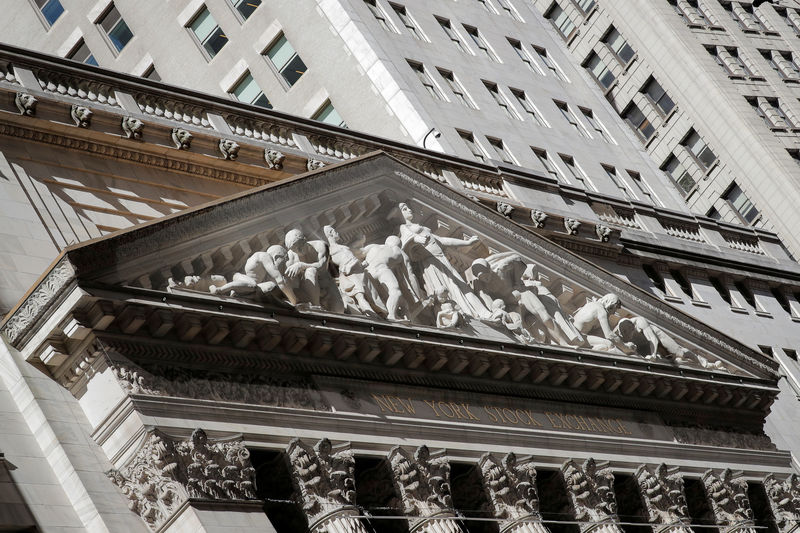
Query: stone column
<point x="784" y="501"/>
<point x="511" y="487"/>
<point x="423" y="482"/>
<point x="591" y="491"/>
<point x="173" y="482"/>
<point x="325" y="480"/>
<point x="662" y="492"/>
<point x="727" y="493"/>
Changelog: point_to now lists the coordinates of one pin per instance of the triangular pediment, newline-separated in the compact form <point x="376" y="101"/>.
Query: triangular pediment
<point x="412" y="252"/>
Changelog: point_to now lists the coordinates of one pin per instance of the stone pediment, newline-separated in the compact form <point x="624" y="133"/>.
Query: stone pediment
<point x="375" y="240"/>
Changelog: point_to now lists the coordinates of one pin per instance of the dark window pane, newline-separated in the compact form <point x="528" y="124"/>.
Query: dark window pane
<point x="52" y="10"/>
<point x="216" y="41"/>
<point x="262" y="101"/>
<point x="293" y="70"/>
<point x="91" y="60"/>
<point x="120" y="35"/>
<point x="246" y="7"/>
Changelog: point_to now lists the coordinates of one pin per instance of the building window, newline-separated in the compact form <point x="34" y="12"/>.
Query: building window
<point x="458" y="90"/>
<point x="479" y="41"/>
<point x="527" y="105"/>
<point x="82" y="53"/>
<point x="585" y="5"/>
<point x="426" y="80"/>
<point x="546" y="163"/>
<point x="634" y="116"/>
<point x="737" y="199"/>
<point x="714" y="214"/>
<point x="248" y="91"/>
<point x="643" y="187"/>
<point x="285" y="59"/>
<point x="783" y="63"/>
<point x="658" y="96"/>
<point x="115" y="28"/>
<point x="691" y="12"/>
<point x="728" y="58"/>
<point x="50" y="10"/>
<point x="699" y="149"/>
<point x="611" y="172"/>
<point x="500" y="149"/>
<point x="561" y="21"/>
<point x="595" y="124"/>
<point x="245" y="8"/>
<point x="679" y="174"/>
<point x="505" y="5"/>
<point x="477" y="151"/>
<point x="790" y="16"/>
<point x="207" y="32"/>
<point x="570" y="117"/>
<point x="500" y="100"/>
<point x="408" y="22"/>
<point x="550" y="63"/>
<point x="770" y="111"/>
<point x="524" y="56"/>
<point x="448" y="29"/>
<point x="574" y="170"/>
<point x="745" y="16"/>
<point x="600" y="71"/>
<point x="487" y="6"/>
<point x="619" y="45"/>
<point x="379" y="15"/>
<point x="329" y="115"/>
<point x="151" y="73"/>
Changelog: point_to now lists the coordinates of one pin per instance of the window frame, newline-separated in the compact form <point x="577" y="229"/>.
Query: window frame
<point x="323" y="108"/>
<point x="279" y="71"/>
<point x="420" y="71"/>
<point x="457" y="88"/>
<point x="743" y="215"/>
<point x="74" y="50"/>
<point x="412" y="26"/>
<point x="202" y="43"/>
<point x="40" y="12"/>
<point x="245" y="75"/>
<point x="626" y="114"/>
<point x="482" y="156"/>
<point x="380" y="15"/>
<point x="622" y="61"/>
<point x="501" y="149"/>
<point x="501" y="100"/>
<point x="549" y="16"/>
<point x="456" y="38"/>
<point x="548" y="165"/>
<point x="479" y="41"/>
<point x="569" y="115"/>
<point x="551" y="64"/>
<point x="239" y="14"/>
<point x="100" y="22"/>
<point x="528" y="106"/>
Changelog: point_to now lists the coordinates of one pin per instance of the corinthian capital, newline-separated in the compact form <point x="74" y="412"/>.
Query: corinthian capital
<point x="590" y="487"/>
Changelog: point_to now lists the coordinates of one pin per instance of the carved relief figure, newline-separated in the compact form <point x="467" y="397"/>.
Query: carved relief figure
<point x="274" y="159"/>
<point x="590" y="489"/>
<point x="662" y="493"/>
<point x="353" y="283"/>
<point x="81" y="115"/>
<point x="448" y="315"/>
<point x="26" y="104"/>
<point x="542" y="304"/>
<point x="307" y="267"/>
<point x="182" y="138"/>
<point x="390" y="267"/>
<point x="784" y="501"/>
<point x="511" y="320"/>
<point x="595" y="314"/>
<point x="132" y="128"/>
<point x="264" y="274"/>
<point x="511" y="485"/>
<point x="439" y="278"/>
<point x="229" y="149"/>
<point x="727" y="493"/>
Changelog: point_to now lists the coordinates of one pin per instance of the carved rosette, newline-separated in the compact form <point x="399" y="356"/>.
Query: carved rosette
<point x="784" y="501"/>
<point x="423" y="483"/>
<point x="511" y="486"/>
<point x="727" y="493"/>
<point x="590" y="488"/>
<point x="165" y="473"/>
<point x="324" y="479"/>
<point x="663" y="496"/>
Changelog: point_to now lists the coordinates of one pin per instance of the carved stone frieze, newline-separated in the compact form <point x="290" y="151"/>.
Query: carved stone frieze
<point x="166" y="472"/>
<point x="708" y="436"/>
<point x="132" y="128"/>
<point x="26" y="104"/>
<point x="504" y="209"/>
<point x="590" y="488"/>
<point x="727" y="493"/>
<point x="229" y="149"/>
<point x="603" y="232"/>
<point x="81" y="115"/>
<point x="538" y="217"/>
<point x="783" y="498"/>
<point x="182" y="138"/>
<point x="274" y="159"/>
<point x="662" y="493"/>
<point x="511" y="486"/>
<point x="572" y="226"/>
<point x="314" y="164"/>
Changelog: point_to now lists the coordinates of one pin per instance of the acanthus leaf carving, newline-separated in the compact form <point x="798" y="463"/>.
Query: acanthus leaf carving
<point x="783" y="498"/>
<point x="663" y="495"/>
<point x="727" y="493"/>
<point x="590" y="488"/>
<point x="511" y="486"/>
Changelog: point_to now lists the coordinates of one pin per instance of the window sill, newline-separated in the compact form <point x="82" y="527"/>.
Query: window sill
<point x="791" y="80"/>
<point x="626" y="67"/>
<point x="764" y="314"/>
<point x="740" y="310"/>
<point x="673" y="299"/>
<point x="590" y="14"/>
<point x="796" y="318"/>
<point x="701" y="303"/>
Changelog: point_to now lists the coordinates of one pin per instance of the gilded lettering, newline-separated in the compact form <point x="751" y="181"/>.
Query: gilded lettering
<point x="408" y="405"/>
<point x="395" y="407"/>
<point x="492" y="416"/>
<point x="383" y="403"/>
<point x="604" y="424"/>
<point x="508" y="414"/>
<point x="622" y="427"/>
<point x="549" y="416"/>
<point x="457" y="410"/>
<point x="582" y="422"/>
<point x="432" y="405"/>
<point x="532" y="418"/>
<point x="593" y="421"/>
<point x="569" y="424"/>
<point x="471" y="416"/>
<point x="444" y="407"/>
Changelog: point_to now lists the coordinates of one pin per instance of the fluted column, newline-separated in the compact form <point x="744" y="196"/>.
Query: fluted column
<point x="510" y="484"/>
<point x="727" y="493"/>
<point x="591" y="491"/>
<point x="325" y="480"/>
<point x="663" y="496"/>
<point x="423" y="482"/>
<point x="784" y="501"/>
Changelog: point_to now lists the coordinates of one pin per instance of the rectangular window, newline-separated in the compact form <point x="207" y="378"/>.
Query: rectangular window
<point x="741" y="203"/>
<point x="643" y="187"/>
<point x="50" y="9"/>
<point x="634" y="116"/>
<point x="600" y="71"/>
<point x="595" y="124"/>
<point x="248" y="91"/>
<point x="477" y="151"/>
<point x="245" y="8"/>
<point x="690" y="12"/>
<point x="408" y="22"/>
<point x="523" y="55"/>
<point x="658" y="96"/>
<point x="477" y="38"/>
<point x="783" y="63"/>
<point x="585" y="5"/>
<point x="426" y="80"/>
<point x="379" y="15"/>
<point x="745" y="17"/>
<point x="487" y="6"/>
<point x="286" y="60"/>
<point x="527" y="105"/>
<point x="611" y="172"/>
<point x="547" y="164"/>
<point x="505" y="5"/>
<point x="679" y="174"/>
<point x="82" y="53"/>
<point x="151" y="73"/>
<point x="619" y="45"/>
<point x="790" y="16"/>
<point x="561" y="21"/>
<point x="570" y="117"/>
<point x="550" y="63"/>
<point x="329" y="115"/>
<point x="574" y="170"/>
<point x="699" y="149"/>
<point x="115" y="27"/>
<point x="207" y="32"/>
<point x="500" y="149"/>
<point x="730" y="61"/>
<point x="770" y="111"/>
<point x="500" y="100"/>
<point x="451" y="33"/>
<point x="458" y="90"/>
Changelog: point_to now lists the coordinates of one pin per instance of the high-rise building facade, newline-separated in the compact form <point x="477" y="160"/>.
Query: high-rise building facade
<point x="480" y="306"/>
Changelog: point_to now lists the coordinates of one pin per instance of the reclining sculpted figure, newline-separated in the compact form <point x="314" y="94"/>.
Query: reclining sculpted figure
<point x="593" y="315"/>
<point x="264" y="274"/>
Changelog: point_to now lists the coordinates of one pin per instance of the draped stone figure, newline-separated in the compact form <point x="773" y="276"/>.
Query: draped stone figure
<point x="307" y="267"/>
<point x="353" y="281"/>
<point x="511" y="487"/>
<point x="390" y="267"/>
<point x="324" y="478"/>
<point x="784" y="501"/>
<point x="727" y="493"/>
<point x="591" y="491"/>
<point x="264" y="275"/>
<point x="440" y="279"/>
<point x="662" y="493"/>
